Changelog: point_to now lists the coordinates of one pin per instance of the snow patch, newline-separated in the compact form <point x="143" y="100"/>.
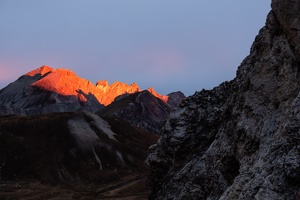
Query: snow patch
<point x="97" y="159"/>
<point x="83" y="133"/>
<point x="102" y="125"/>
<point x="120" y="156"/>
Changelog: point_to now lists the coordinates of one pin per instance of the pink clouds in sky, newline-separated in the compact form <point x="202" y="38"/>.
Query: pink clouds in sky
<point x="9" y="74"/>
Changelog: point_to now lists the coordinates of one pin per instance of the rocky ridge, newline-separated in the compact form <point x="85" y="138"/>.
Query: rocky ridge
<point x="239" y="140"/>
<point x="141" y="109"/>
<point x="110" y="92"/>
<point x="46" y="90"/>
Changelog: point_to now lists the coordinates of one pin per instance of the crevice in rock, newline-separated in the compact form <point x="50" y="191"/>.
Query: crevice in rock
<point x="230" y="168"/>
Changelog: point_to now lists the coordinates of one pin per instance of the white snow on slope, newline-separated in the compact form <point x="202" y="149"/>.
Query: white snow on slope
<point x="102" y="125"/>
<point x="97" y="159"/>
<point x="85" y="136"/>
<point x="83" y="133"/>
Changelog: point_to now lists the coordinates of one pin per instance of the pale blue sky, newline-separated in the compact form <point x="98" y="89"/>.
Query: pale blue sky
<point x="170" y="45"/>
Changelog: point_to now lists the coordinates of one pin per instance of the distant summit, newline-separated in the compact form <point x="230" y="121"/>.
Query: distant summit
<point x="40" y="71"/>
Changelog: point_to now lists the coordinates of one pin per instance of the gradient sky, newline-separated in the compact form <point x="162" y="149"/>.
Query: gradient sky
<point x="171" y="45"/>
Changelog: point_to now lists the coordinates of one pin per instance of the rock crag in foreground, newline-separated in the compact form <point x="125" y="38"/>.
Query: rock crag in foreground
<point x="240" y="140"/>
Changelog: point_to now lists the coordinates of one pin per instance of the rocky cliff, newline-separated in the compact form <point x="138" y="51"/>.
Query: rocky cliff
<point x="240" y="140"/>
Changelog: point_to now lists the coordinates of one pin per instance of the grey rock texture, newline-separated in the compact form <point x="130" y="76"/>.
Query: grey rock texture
<point x="175" y="98"/>
<point x="141" y="109"/>
<point x="240" y="140"/>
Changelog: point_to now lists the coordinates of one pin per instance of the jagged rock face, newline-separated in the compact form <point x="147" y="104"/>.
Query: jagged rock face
<point x="69" y="148"/>
<point x="110" y="92"/>
<point x="287" y="12"/>
<point x="46" y="90"/>
<point x="241" y="139"/>
<point x="141" y="109"/>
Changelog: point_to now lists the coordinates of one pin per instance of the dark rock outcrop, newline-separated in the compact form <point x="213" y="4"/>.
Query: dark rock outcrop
<point x="241" y="139"/>
<point x="141" y="109"/>
<point x="175" y="98"/>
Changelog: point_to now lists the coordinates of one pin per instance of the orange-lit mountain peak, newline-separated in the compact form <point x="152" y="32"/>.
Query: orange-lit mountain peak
<point x="118" y="87"/>
<point x="41" y="70"/>
<point x="65" y="72"/>
<point x="65" y="82"/>
<point x="123" y="87"/>
<point x="54" y="82"/>
<point x="134" y="84"/>
<point x="152" y="91"/>
<point x="102" y="83"/>
<point x="110" y="92"/>
<point x="162" y="97"/>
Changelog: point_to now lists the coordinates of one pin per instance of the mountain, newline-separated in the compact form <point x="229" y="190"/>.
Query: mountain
<point x="239" y="140"/>
<point x="71" y="156"/>
<point x="53" y="145"/>
<point x="141" y="109"/>
<point x="46" y="90"/>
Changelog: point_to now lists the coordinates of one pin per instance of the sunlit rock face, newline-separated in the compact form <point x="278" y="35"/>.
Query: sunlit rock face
<point x="110" y="92"/>
<point x="116" y="89"/>
<point x="154" y="93"/>
<point x="239" y="140"/>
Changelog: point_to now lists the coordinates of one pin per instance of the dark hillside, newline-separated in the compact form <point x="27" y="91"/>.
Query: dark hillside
<point x="71" y="150"/>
